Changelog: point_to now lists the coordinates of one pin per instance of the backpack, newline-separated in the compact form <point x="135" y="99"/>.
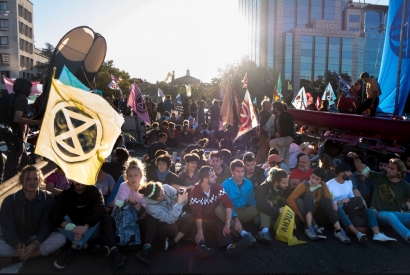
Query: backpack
<point x="126" y="228"/>
<point x="356" y="211"/>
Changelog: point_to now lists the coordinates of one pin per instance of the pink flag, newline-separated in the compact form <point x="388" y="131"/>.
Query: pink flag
<point x="35" y="90"/>
<point x="113" y="85"/>
<point x="248" y="117"/>
<point x="136" y="102"/>
<point x="116" y="79"/>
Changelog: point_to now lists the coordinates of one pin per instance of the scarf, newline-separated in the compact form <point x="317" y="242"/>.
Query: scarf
<point x="313" y="188"/>
<point x="161" y="176"/>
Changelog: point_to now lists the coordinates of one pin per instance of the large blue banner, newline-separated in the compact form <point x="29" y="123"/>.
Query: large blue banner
<point x="388" y="70"/>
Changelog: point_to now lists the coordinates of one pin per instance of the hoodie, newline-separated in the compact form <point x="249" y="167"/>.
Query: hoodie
<point x="167" y="210"/>
<point x="241" y="196"/>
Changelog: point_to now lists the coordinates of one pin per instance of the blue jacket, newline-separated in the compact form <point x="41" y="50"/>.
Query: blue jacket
<point x="241" y="197"/>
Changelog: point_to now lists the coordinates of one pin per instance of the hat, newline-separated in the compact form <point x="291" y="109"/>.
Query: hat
<point x="342" y="167"/>
<point x="336" y="162"/>
<point x="274" y="158"/>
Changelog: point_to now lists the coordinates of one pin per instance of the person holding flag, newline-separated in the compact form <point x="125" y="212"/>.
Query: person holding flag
<point x="348" y="103"/>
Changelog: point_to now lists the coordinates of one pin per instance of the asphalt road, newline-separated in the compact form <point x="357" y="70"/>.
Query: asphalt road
<point x="323" y="256"/>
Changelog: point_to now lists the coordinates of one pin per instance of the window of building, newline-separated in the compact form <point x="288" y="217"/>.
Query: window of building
<point x="354" y="18"/>
<point x="30" y="33"/>
<point x="6" y="74"/>
<point x="4" y="40"/>
<point x="3" y="5"/>
<point x="30" y="18"/>
<point x="5" y="59"/>
<point x="22" y="59"/>
<point x="21" y="44"/>
<point x="4" y="24"/>
<point x="21" y="26"/>
<point x="21" y="10"/>
<point x="354" y="29"/>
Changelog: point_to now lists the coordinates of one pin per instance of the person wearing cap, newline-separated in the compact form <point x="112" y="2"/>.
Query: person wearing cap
<point x="270" y="201"/>
<point x="341" y="189"/>
<point x="311" y="201"/>
<point x="205" y="198"/>
<point x="16" y="151"/>
<point x="302" y="173"/>
<point x="390" y="191"/>
<point x="253" y="172"/>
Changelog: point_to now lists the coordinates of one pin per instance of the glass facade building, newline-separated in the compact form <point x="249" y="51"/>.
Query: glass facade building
<point x="305" y="39"/>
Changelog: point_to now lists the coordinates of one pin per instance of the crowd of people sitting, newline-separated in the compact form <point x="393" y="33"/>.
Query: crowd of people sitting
<point x="211" y="197"/>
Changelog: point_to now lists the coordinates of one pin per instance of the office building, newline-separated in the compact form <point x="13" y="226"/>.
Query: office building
<point x="305" y="39"/>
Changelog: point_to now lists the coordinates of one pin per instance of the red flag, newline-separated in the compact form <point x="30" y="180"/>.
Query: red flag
<point x="116" y="79"/>
<point x="245" y="81"/>
<point x="136" y="102"/>
<point x="317" y="103"/>
<point x="248" y="119"/>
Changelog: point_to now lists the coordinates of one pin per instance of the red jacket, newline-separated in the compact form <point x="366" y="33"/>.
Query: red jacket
<point x="204" y="207"/>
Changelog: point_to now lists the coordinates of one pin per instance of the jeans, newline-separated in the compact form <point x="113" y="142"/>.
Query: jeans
<point x="91" y="234"/>
<point x="397" y="220"/>
<point x="346" y="222"/>
<point x="324" y="212"/>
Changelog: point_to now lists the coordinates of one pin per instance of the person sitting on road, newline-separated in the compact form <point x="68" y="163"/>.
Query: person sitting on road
<point x="311" y="201"/>
<point x="205" y="198"/>
<point x="56" y="182"/>
<point x="174" y="140"/>
<point x="240" y="191"/>
<point x="117" y="166"/>
<point x="326" y="164"/>
<point x="390" y="191"/>
<point x="226" y="156"/>
<point x="105" y="183"/>
<point x="77" y="214"/>
<point x="153" y="135"/>
<point x="302" y="173"/>
<point x="255" y="174"/>
<point x="199" y="145"/>
<point x="149" y="157"/>
<point x="222" y="170"/>
<point x="165" y="204"/>
<point x="270" y="201"/>
<point x="362" y="187"/>
<point x="163" y="173"/>
<point x="341" y="189"/>
<point x="202" y="157"/>
<point x="189" y="175"/>
<point x="382" y="164"/>
<point x="186" y="137"/>
<point x="26" y="232"/>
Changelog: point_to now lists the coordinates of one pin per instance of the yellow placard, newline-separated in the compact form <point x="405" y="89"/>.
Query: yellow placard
<point x="284" y="227"/>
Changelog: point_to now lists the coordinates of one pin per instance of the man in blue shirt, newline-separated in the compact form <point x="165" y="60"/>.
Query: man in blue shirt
<point x="240" y="191"/>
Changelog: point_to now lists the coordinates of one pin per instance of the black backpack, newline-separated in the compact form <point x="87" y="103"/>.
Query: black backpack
<point x="6" y="109"/>
<point x="356" y="211"/>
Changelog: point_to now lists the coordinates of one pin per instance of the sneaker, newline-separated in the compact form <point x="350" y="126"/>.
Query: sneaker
<point x="318" y="230"/>
<point x="144" y="256"/>
<point x="236" y="248"/>
<point x="341" y="235"/>
<point x="117" y="258"/>
<point x="381" y="238"/>
<point x="264" y="237"/>
<point x="169" y="243"/>
<point x="310" y="233"/>
<point x="361" y="237"/>
<point x="204" y="252"/>
<point x="251" y="240"/>
<point x="5" y="261"/>
<point x="64" y="258"/>
<point x="101" y="251"/>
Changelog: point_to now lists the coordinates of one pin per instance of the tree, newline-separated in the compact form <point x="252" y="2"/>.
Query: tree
<point x="42" y="68"/>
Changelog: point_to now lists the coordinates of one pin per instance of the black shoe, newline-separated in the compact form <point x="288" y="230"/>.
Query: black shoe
<point x="204" y="252"/>
<point x="169" y="243"/>
<point x="236" y="248"/>
<point x="117" y="258"/>
<point x="64" y="258"/>
<point x="144" y="257"/>
<point x="251" y="240"/>
<point x="101" y="251"/>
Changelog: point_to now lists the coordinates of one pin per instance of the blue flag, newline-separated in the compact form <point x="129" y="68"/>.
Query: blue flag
<point x="343" y="84"/>
<point x="67" y="78"/>
<point x="390" y="60"/>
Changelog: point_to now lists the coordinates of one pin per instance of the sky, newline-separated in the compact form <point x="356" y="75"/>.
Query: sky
<point x="149" y="38"/>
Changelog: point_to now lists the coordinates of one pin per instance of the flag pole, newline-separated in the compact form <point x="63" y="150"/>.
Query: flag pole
<point x="403" y="15"/>
<point x="54" y="73"/>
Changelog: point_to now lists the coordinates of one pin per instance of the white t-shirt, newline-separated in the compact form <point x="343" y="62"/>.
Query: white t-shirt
<point x="294" y="150"/>
<point x="340" y="191"/>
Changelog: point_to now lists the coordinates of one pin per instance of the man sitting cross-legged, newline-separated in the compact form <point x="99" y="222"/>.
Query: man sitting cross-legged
<point x="205" y="197"/>
<point x="240" y="191"/>
<point x="270" y="201"/>
<point x="77" y="214"/>
<point x="24" y="221"/>
<point x="312" y="199"/>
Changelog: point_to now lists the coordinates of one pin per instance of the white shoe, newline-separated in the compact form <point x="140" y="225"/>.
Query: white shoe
<point x="383" y="238"/>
